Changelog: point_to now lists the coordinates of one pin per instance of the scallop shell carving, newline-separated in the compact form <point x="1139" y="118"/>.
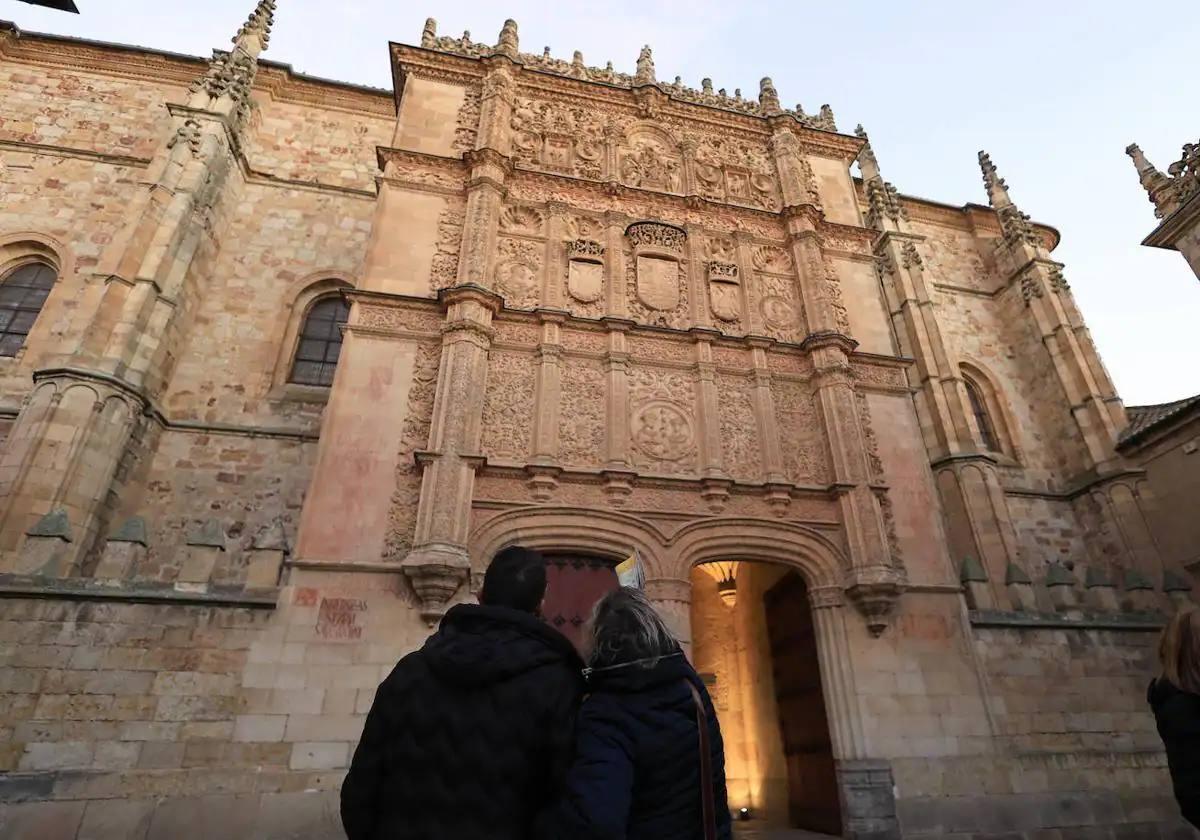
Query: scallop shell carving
<point x="521" y="218"/>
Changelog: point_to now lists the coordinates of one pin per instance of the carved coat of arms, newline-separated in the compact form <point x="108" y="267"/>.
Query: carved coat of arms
<point x="585" y="271"/>
<point x="658" y="282"/>
<point x="657" y="250"/>
<point x="723" y="290"/>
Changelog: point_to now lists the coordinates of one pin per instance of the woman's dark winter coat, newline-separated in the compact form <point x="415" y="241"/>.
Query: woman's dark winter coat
<point x="470" y="736"/>
<point x="1177" y="714"/>
<point x="636" y="771"/>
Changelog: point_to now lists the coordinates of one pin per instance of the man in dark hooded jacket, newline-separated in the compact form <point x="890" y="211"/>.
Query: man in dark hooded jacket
<point x="470" y="735"/>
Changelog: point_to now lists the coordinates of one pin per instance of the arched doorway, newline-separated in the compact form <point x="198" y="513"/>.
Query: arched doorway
<point x="574" y="583"/>
<point x="754" y="642"/>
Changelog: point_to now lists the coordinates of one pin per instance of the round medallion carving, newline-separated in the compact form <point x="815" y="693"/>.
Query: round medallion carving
<point x="662" y="431"/>
<point x="778" y="312"/>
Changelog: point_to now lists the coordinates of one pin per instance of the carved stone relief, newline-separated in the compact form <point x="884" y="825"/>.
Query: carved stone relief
<point x="772" y="259"/>
<point x="508" y="406"/>
<point x="415" y="436"/>
<point x="518" y="272"/>
<point x="516" y="333"/>
<point x="661" y="428"/>
<point x="648" y="164"/>
<point x="443" y="269"/>
<point x="739" y="428"/>
<point x="724" y="291"/>
<point x="534" y="188"/>
<point x="777" y="304"/>
<point x="582" y="407"/>
<point x="585" y="270"/>
<point x="520" y="218"/>
<point x="800" y="432"/>
<point x="556" y="137"/>
<point x="467" y="122"/>
<point x="642" y="347"/>
<point x="659" y="287"/>
<point x="734" y="171"/>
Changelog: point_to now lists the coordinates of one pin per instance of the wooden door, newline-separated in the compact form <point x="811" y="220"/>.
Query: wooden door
<point x="803" y="725"/>
<point x="574" y="583"/>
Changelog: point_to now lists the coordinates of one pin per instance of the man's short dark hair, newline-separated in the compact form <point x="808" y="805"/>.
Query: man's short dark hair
<point x="516" y="579"/>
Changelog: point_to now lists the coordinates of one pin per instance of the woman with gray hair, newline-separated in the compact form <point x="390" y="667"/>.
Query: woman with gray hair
<point x="649" y="762"/>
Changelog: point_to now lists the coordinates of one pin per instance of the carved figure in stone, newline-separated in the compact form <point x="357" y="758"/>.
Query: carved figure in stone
<point x="517" y="283"/>
<point x="661" y="430"/>
<point x="646" y="166"/>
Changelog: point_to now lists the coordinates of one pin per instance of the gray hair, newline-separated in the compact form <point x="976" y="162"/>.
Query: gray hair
<point x="625" y="627"/>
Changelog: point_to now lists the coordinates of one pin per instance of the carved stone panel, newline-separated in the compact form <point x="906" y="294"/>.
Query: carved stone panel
<point x="778" y="305"/>
<point x="662" y="430"/>
<point x="443" y="269"/>
<point x="557" y="137"/>
<point x="724" y="291"/>
<point x="800" y="432"/>
<point x="508" y="406"/>
<point x="739" y="428"/>
<point x="518" y="272"/>
<point x="585" y="270"/>
<point x="582" y="407"/>
<point x="658" y="281"/>
<point x="403" y="511"/>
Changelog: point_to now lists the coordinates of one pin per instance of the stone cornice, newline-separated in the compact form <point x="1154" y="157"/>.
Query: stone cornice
<point x="442" y="65"/>
<point x="977" y="218"/>
<point x="1173" y="227"/>
<point x="274" y="79"/>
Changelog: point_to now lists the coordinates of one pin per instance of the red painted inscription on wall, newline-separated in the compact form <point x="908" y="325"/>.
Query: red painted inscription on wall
<point x="338" y="618"/>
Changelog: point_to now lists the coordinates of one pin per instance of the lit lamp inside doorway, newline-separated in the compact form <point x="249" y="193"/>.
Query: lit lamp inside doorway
<point x="724" y="572"/>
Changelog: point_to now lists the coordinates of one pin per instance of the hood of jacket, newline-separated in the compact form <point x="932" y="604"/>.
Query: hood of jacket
<point x="1162" y="691"/>
<point x="641" y="675"/>
<point x="478" y="645"/>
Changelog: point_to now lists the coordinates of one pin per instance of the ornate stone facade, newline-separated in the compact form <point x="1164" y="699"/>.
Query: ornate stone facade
<point x="590" y="312"/>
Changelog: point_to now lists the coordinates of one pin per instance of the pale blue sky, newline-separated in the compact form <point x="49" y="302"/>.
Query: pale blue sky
<point x="1053" y="90"/>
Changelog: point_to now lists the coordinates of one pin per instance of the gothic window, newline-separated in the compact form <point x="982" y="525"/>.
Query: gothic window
<point x="23" y="293"/>
<point x="983" y="421"/>
<point x="320" y="342"/>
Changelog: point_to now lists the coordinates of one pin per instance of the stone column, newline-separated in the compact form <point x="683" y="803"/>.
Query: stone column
<point x="544" y="469"/>
<point x="865" y="786"/>
<point x="485" y="188"/>
<point x="556" y="257"/>
<point x="618" y="467"/>
<point x="438" y="562"/>
<point x="616" y="286"/>
<point x="672" y="598"/>
<point x="778" y="484"/>
<point x="708" y="413"/>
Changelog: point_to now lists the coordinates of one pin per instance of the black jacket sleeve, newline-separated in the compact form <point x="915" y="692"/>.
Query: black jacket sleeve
<point x="361" y="789"/>
<point x="598" y="792"/>
<point x="563" y="693"/>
